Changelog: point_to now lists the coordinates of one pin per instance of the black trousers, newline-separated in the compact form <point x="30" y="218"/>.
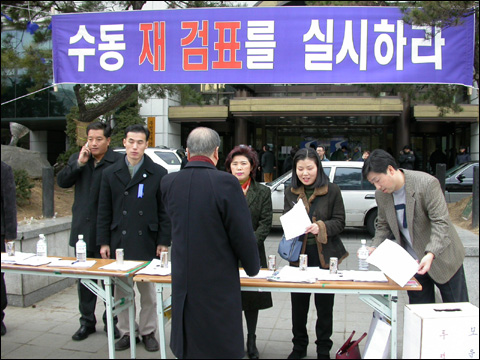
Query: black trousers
<point x="300" y="306"/>
<point x="454" y="290"/>
<point x="87" y="301"/>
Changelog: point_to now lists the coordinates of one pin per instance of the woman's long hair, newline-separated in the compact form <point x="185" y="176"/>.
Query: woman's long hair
<point x="311" y="154"/>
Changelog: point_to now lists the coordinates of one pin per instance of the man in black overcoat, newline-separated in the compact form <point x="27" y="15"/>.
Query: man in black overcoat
<point x="8" y="212"/>
<point x="211" y="231"/>
<point x="84" y="171"/>
<point x="131" y="216"/>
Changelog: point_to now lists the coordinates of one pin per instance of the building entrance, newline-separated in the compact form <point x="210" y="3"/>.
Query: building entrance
<point x="357" y="133"/>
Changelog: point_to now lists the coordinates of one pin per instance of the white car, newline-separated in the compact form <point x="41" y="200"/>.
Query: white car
<point x="163" y="156"/>
<point x="358" y="194"/>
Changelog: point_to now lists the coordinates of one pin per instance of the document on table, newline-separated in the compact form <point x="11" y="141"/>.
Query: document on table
<point x="127" y="265"/>
<point x="72" y="263"/>
<point x="295" y="221"/>
<point x="394" y="261"/>
<point x="294" y="274"/>
<point x="37" y="260"/>
<point x="262" y="274"/>
<point x="19" y="256"/>
<point x="154" y="268"/>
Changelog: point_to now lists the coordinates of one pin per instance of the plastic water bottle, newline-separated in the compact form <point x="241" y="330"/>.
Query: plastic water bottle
<point x="362" y="256"/>
<point x="81" y="249"/>
<point x="42" y="246"/>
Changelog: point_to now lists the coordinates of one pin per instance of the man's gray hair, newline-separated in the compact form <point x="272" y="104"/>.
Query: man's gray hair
<point x="202" y="141"/>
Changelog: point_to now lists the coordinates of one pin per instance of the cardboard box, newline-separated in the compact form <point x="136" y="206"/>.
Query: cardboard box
<point x="441" y="331"/>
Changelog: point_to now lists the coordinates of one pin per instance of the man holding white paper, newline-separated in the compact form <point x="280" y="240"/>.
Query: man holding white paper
<point x="412" y="209"/>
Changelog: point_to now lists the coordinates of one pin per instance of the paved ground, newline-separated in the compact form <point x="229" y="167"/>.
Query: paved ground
<point x="44" y="330"/>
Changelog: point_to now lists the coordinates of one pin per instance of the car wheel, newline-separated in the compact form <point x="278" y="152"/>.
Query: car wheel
<point x="371" y="222"/>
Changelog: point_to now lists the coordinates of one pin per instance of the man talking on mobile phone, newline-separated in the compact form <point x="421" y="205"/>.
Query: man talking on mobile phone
<point x="84" y="170"/>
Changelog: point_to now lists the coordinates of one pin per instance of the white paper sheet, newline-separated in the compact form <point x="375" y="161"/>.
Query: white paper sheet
<point x="295" y="222"/>
<point x="19" y="256"/>
<point x="262" y="274"/>
<point x="294" y="274"/>
<point x="36" y="261"/>
<point x="127" y="265"/>
<point x="394" y="261"/>
<point x="73" y="263"/>
<point x="154" y="269"/>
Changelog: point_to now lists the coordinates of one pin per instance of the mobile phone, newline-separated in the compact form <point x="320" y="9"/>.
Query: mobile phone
<point x="86" y="145"/>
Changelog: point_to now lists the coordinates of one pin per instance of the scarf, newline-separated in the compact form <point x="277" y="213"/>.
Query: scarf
<point x="202" y="159"/>
<point x="246" y="185"/>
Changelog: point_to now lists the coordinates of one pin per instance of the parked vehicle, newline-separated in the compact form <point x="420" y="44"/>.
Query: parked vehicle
<point x="459" y="181"/>
<point x="358" y="194"/>
<point x="163" y="156"/>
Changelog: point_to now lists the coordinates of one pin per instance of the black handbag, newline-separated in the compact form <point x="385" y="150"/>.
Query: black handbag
<point x="290" y="249"/>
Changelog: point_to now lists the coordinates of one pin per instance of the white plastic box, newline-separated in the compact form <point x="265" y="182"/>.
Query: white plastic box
<point x="441" y="331"/>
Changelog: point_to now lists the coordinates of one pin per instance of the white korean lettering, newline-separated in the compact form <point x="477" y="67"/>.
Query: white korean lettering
<point x="111" y="42"/>
<point x="81" y="53"/>
<point x="401" y="42"/>
<point x="319" y="56"/>
<point x="348" y="48"/>
<point x="261" y="44"/>
<point x="427" y="41"/>
<point x="82" y="33"/>
<point x="386" y="39"/>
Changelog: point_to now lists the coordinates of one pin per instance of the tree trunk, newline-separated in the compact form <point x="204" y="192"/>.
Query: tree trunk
<point x="89" y="115"/>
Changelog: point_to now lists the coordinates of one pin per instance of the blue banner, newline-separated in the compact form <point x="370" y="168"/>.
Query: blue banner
<point x="276" y="45"/>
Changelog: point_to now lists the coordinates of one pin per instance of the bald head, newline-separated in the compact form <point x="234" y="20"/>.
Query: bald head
<point x="203" y="141"/>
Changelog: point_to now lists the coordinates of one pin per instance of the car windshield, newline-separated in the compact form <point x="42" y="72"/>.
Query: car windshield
<point x="168" y="157"/>
<point x="454" y="169"/>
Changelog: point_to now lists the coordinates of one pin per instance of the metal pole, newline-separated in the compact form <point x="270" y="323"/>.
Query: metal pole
<point x="475" y="194"/>
<point x="47" y="192"/>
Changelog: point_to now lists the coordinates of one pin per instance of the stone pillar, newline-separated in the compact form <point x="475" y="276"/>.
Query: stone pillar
<point x="403" y="127"/>
<point x="38" y="142"/>
<point x="241" y="135"/>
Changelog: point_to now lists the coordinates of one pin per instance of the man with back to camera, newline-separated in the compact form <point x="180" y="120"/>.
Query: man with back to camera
<point x="8" y="218"/>
<point x="412" y="208"/>
<point x="267" y="163"/>
<point x="211" y="231"/>
<point x="131" y="216"/>
<point x="84" y="171"/>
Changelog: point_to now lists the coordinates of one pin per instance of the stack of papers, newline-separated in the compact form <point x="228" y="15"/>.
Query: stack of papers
<point x="36" y="261"/>
<point x="154" y="268"/>
<point x="72" y="263"/>
<point x="19" y="256"/>
<point x="127" y="265"/>
<point x="294" y="274"/>
<point x="312" y="274"/>
<point x="262" y="274"/>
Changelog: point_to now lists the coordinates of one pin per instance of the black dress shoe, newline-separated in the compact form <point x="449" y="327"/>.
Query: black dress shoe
<point x="297" y="354"/>
<point x="116" y="332"/>
<point x="83" y="333"/>
<point x="151" y="344"/>
<point x="124" y="343"/>
<point x="323" y="356"/>
<point x="4" y="329"/>
<point x="252" y="350"/>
